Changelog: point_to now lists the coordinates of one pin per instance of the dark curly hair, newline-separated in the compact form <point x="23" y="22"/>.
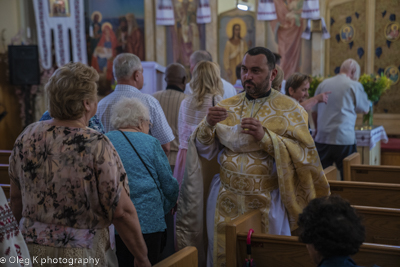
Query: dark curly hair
<point x="332" y="226"/>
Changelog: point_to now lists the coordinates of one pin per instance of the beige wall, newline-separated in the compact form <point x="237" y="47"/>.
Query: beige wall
<point x="9" y="22"/>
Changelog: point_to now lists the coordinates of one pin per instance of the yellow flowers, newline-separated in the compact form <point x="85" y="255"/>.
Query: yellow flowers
<point x="315" y="81"/>
<point x="375" y="85"/>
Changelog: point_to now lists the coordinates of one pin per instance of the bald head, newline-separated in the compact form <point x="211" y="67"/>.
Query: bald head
<point x="175" y="74"/>
<point x="196" y="57"/>
<point x="351" y="68"/>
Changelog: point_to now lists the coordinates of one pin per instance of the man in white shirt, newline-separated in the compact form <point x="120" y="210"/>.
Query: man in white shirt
<point x="128" y="72"/>
<point x="334" y="121"/>
<point x="201" y="55"/>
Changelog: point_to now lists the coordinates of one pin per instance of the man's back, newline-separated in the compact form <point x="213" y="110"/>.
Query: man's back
<point x="170" y="101"/>
<point x="160" y="128"/>
<point x="336" y="119"/>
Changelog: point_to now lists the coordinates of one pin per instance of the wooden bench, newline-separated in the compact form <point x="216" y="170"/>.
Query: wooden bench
<point x="390" y="152"/>
<point x="4" y="178"/>
<point x="382" y="225"/>
<point x="4" y="156"/>
<point x="368" y="194"/>
<point x="277" y="251"/>
<point x="186" y="257"/>
<point x="331" y="173"/>
<point x="6" y="189"/>
<point x="354" y="171"/>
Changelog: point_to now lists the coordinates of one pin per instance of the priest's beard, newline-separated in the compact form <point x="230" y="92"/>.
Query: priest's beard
<point x="259" y="89"/>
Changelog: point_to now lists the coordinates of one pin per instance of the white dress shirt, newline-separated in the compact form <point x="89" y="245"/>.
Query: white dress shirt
<point x="337" y="118"/>
<point x="160" y="129"/>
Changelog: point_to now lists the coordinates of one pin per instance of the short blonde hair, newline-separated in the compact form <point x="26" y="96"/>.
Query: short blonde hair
<point x="68" y="87"/>
<point x="129" y="112"/>
<point x="278" y="78"/>
<point x="206" y="80"/>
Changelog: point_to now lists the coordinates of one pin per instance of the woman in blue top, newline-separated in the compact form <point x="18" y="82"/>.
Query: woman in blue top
<point x="154" y="191"/>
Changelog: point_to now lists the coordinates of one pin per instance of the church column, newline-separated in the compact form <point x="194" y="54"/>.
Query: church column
<point x="260" y="30"/>
<point x="161" y="48"/>
<point x="149" y="28"/>
<point x="317" y="43"/>
<point x="212" y="32"/>
<point x="369" y="36"/>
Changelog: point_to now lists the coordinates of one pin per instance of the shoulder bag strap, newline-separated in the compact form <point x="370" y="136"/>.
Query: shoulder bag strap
<point x="142" y="162"/>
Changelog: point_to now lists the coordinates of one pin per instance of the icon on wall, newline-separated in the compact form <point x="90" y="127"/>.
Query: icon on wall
<point x="347" y="33"/>
<point x="392" y="72"/>
<point x="59" y="8"/>
<point x="392" y="31"/>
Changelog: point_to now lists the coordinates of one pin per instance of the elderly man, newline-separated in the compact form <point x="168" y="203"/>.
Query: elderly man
<point x="335" y="121"/>
<point x="202" y="55"/>
<point x="170" y="100"/>
<point x="128" y="72"/>
<point x="268" y="161"/>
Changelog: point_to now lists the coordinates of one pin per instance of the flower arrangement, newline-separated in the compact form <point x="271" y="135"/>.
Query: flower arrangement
<point x="374" y="86"/>
<point x="315" y="81"/>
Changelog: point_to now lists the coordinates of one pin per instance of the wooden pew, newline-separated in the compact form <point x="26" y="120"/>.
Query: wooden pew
<point x="4" y="178"/>
<point x="186" y="257"/>
<point x="354" y="171"/>
<point x="6" y="189"/>
<point x="331" y="173"/>
<point x="4" y="156"/>
<point x="368" y="194"/>
<point x="382" y="225"/>
<point x="274" y="250"/>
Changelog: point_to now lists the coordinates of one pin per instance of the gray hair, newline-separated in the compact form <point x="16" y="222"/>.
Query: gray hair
<point x="350" y="65"/>
<point x="129" y="112"/>
<point x="200" y="55"/>
<point x="125" y="65"/>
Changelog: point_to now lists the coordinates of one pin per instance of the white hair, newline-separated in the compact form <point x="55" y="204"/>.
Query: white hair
<point x="200" y="55"/>
<point x="125" y="65"/>
<point x="350" y="65"/>
<point x="129" y="112"/>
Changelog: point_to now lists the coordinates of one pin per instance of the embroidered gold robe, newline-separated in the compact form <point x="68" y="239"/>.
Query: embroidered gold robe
<point x="246" y="172"/>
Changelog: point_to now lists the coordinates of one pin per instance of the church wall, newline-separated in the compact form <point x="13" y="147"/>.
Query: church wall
<point x="370" y="45"/>
<point x="10" y="24"/>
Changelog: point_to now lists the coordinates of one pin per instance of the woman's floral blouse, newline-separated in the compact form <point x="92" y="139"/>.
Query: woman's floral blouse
<point x="70" y="181"/>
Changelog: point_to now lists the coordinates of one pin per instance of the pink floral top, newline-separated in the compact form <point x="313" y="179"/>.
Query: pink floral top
<point x="70" y="181"/>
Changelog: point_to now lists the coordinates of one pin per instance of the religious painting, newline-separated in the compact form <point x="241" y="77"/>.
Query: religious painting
<point x="392" y="31"/>
<point x="287" y="29"/>
<point x="116" y="26"/>
<point x="392" y="72"/>
<point x="186" y="36"/>
<point x="236" y="35"/>
<point x="347" y="33"/>
<point x="59" y="8"/>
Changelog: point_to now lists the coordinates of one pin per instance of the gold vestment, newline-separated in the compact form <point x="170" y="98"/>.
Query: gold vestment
<point x="246" y="172"/>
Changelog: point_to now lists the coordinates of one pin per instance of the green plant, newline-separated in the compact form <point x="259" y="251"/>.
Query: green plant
<point x="315" y="81"/>
<point x="375" y="85"/>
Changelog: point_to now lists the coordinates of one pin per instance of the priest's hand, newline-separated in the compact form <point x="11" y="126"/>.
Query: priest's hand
<point x="215" y="115"/>
<point x="253" y="127"/>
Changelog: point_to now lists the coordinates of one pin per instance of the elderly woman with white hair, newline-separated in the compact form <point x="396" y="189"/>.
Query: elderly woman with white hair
<point x="154" y="191"/>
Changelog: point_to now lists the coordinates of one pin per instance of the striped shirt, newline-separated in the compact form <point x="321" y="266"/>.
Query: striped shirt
<point x="160" y="128"/>
<point x="170" y="101"/>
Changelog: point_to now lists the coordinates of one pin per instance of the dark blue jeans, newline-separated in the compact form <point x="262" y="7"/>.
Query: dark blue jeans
<point x="334" y="153"/>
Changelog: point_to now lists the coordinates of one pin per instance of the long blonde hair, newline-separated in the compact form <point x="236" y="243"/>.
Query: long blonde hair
<point x="206" y="80"/>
